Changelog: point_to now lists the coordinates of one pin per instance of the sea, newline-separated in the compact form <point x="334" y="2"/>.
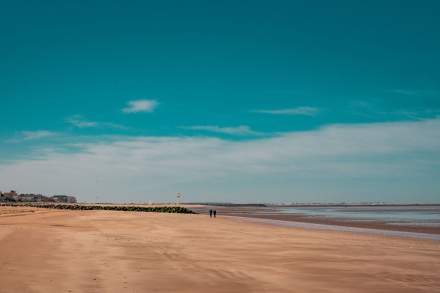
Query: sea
<point x="396" y="215"/>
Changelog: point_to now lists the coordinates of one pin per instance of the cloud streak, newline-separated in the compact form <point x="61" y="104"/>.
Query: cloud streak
<point x="369" y="109"/>
<point x="420" y="92"/>
<point x="237" y="130"/>
<point x="37" y="134"/>
<point x="79" y="121"/>
<point x="138" y="106"/>
<point x="304" y="111"/>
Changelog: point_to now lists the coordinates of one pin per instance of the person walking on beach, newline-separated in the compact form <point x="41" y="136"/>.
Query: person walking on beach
<point x="210" y="213"/>
<point x="215" y="213"/>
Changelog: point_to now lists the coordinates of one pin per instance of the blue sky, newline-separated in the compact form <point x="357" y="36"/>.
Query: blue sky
<point x="268" y="101"/>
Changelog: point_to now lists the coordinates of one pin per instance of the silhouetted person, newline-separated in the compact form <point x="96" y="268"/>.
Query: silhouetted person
<point x="210" y="213"/>
<point x="215" y="213"/>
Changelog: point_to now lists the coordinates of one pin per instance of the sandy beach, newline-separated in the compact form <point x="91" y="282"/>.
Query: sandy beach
<point x="45" y="250"/>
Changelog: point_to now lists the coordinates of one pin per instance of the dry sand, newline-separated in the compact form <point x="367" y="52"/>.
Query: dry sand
<point x="104" y="251"/>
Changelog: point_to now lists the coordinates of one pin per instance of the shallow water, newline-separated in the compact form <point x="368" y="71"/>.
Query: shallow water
<point x="341" y="228"/>
<point x="413" y="215"/>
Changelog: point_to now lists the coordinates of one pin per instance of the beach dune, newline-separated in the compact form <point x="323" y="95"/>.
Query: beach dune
<point x="108" y="251"/>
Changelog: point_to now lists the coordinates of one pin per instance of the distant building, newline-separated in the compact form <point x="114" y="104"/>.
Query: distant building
<point x="64" y="198"/>
<point x="11" y="193"/>
<point x="9" y="196"/>
<point x="34" y="198"/>
<point x="2" y="197"/>
<point x="30" y="197"/>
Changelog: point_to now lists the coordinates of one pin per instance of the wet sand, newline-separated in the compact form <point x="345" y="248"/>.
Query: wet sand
<point x="271" y="214"/>
<point x="110" y="251"/>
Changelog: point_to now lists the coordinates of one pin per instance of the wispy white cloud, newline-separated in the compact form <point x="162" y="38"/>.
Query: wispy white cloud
<point x="79" y="121"/>
<point x="374" y="110"/>
<point x="397" y="161"/>
<point x="305" y="111"/>
<point x="416" y="92"/>
<point x="417" y="114"/>
<point x="137" y="106"/>
<point x="37" y="134"/>
<point x="404" y="92"/>
<point x="237" y="130"/>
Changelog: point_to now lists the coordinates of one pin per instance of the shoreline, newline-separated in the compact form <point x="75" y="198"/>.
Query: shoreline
<point x="364" y="224"/>
<point x="338" y="228"/>
<point x="271" y="214"/>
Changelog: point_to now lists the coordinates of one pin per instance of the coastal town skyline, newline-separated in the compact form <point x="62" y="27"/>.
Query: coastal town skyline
<point x="15" y="197"/>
